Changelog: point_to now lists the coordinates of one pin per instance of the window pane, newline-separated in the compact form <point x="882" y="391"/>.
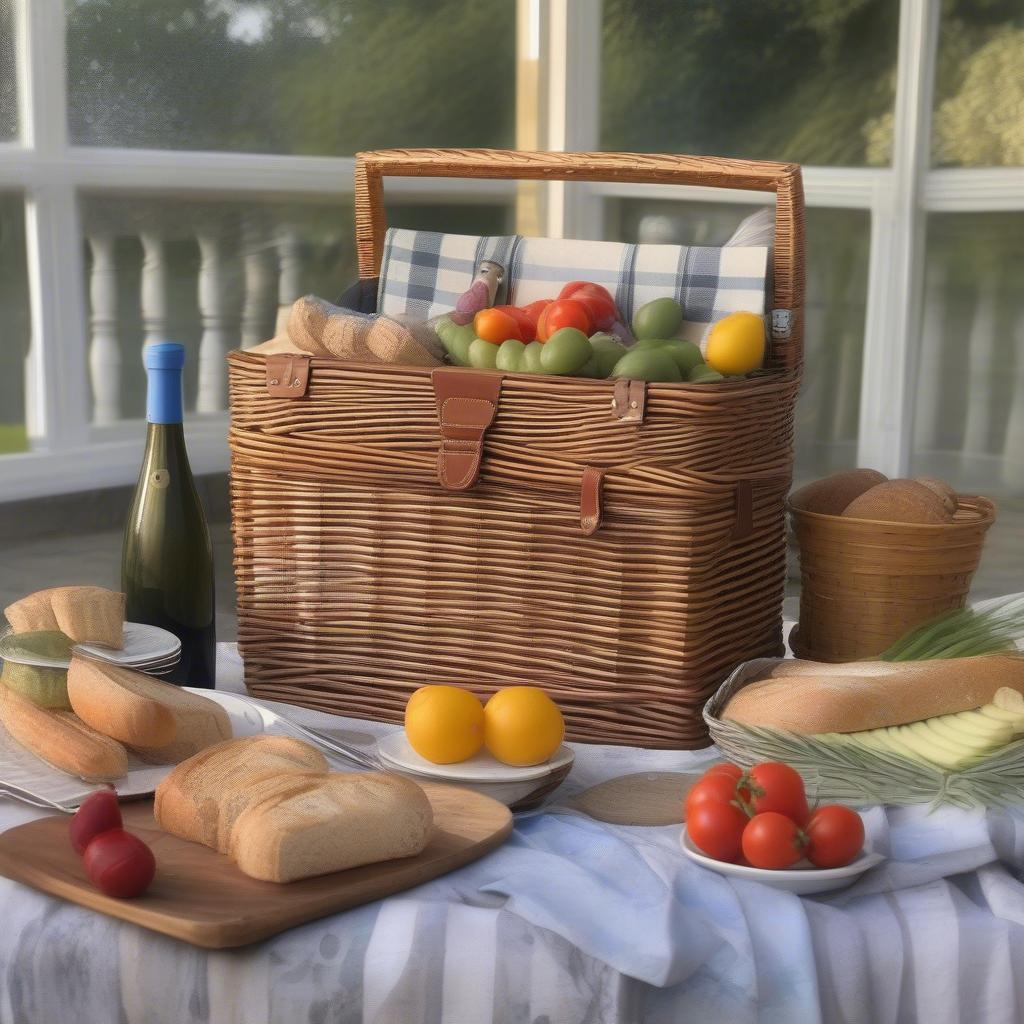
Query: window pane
<point x="297" y="76"/>
<point x="969" y="416"/>
<point x="215" y="271"/>
<point x="15" y="332"/>
<point x="8" y="89"/>
<point x="837" y="255"/>
<point x="811" y="81"/>
<point x="979" y="85"/>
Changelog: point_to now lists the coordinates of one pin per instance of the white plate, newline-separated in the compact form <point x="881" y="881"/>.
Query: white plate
<point x="803" y="879"/>
<point x="396" y="751"/>
<point x="143" y="645"/>
<point x="21" y="769"/>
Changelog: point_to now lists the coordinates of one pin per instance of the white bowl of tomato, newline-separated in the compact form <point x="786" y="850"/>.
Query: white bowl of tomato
<point x="757" y="824"/>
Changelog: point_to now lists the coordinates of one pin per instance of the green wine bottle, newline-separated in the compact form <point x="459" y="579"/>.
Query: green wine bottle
<point x="167" y="559"/>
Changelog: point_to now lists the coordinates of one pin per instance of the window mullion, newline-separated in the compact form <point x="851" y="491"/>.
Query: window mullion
<point x="895" y="277"/>
<point x="57" y="398"/>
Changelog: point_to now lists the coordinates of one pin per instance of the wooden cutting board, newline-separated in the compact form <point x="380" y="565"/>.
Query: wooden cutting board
<point x="198" y="895"/>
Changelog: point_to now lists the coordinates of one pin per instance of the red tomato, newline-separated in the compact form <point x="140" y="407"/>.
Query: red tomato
<point x="713" y="788"/>
<point x="534" y="310"/>
<point x="771" y="840"/>
<point x="734" y="771"/>
<point x="99" y="812"/>
<point x="835" y="835"/>
<point x="527" y="326"/>
<point x="119" y="864"/>
<point x="717" y="830"/>
<point x="597" y="300"/>
<point x="495" y="326"/>
<point x="777" y="787"/>
<point x="563" y="313"/>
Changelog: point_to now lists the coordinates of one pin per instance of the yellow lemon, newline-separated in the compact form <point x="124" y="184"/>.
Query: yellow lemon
<point x="736" y="343"/>
<point x="522" y="725"/>
<point x="444" y="724"/>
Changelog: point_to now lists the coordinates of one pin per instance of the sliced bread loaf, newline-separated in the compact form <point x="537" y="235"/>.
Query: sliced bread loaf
<point x="202" y="797"/>
<point x="161" y="722"/>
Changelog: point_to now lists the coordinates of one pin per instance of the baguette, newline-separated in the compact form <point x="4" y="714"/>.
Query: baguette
<point x="331" y="823"/>
<point x="162" y="723"/>
<point x="201" y="797"/>
<point x="62" y="740"/>
<point x="829" y="698"/>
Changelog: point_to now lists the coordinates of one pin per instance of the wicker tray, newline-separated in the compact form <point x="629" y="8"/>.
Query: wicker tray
<point x="858" y="776"/>
<point x="621" y="544"/>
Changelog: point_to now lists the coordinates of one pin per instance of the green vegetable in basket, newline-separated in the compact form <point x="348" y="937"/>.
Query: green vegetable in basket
<point x="531" y="358"/>
<point x="483" y="354"/>
<point x="510" y="356"/>
<point x="658" y="319"/>
<point x="456" y="339"/>
<point x="685" y="353"/>
<point x="704" y="374"/>
<point x="651" y="364"/>
<point x="608" y="350"/>
<point x="566" y="352"/>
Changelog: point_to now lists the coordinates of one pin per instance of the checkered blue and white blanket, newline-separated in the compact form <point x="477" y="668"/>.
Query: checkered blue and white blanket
<point x="424" y="272"/>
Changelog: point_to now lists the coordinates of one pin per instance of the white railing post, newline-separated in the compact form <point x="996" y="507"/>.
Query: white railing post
<point x="981" y="349"/>
<point x="928" y="414"/>
<point x="215" y="310"/>
<point x="289" y="278"/>
<point x="104" y="350"/>
<point x="260" y="305"/>
<point x="1013" y="443"/>
<point x="153" y="289"/>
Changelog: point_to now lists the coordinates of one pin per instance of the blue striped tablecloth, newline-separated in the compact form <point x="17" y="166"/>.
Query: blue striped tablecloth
<point x="572" y="921"/>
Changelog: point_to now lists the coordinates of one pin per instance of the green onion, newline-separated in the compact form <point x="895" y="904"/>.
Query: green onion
<point x="988" y="628"/>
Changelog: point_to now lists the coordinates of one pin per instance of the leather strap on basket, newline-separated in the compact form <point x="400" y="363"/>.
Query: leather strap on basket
<point x="467" y="403"/>
<point x="287" y="375"/>
<point x="590" y="499"/>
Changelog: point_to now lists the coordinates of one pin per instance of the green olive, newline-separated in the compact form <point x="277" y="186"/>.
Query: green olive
<point x="482" y="354"/>
<point x="651" y="364"/>
<point x="531" y="358"/>
<point x="685" y="353"/>
<point x="510" y="355"/>
<point x="658" y="319"/>
<point x="565" y="352"/>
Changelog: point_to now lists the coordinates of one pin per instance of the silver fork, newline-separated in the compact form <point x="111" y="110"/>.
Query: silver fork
<point x="32" y="799"/>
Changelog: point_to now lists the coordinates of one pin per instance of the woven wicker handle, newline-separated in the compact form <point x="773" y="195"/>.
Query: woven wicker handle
<point x="651" y="168"/>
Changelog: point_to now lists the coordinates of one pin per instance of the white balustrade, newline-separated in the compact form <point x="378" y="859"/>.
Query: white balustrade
<point x="260" y="282"/>
<point x="1013" y="440"/>
<point x="104" y="350"/>
<point x="980" y="362"/>
<point x="215" y="309"/>
<point x="931" y="374"/>
<point x="289" y="281"/>
<point x="153" y="289"/>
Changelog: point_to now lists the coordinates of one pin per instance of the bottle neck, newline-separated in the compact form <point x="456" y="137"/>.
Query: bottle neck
<point x="163" y="396"/>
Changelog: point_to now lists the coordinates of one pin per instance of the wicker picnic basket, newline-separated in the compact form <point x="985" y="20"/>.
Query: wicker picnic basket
<point x="621" y="544"/>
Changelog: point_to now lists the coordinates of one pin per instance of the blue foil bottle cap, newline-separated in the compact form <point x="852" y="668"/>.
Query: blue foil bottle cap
<point x="165" y="355"/>
<point x="164" y="363"/>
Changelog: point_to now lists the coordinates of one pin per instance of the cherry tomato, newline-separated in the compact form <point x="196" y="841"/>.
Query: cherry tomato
<point x="527" y="325"/>
<point x="563" y="313"/>
<point x="771" y="840"/>
<point x="99" y="812"/>
<point x="714" y="788"/>
<point x="534" y="310"/>
<point x="717" y="830"/>
<point x="598" y="301"/>
<point x="119" y="864"/>
<point x="777" y="787"/>
<point x="835" y="835"/>
<point x="495" y="326"/>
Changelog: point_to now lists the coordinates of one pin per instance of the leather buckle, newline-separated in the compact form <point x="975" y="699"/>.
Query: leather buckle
<point x="629" y="400"/>
<point x="287" y="375"/>
<point x="467" y="403"/>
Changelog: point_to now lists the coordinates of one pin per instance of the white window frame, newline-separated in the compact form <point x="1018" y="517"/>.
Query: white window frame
<point x="69" y="454"/>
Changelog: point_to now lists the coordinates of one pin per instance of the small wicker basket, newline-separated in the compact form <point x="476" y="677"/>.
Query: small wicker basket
<point x="864" y="584"/>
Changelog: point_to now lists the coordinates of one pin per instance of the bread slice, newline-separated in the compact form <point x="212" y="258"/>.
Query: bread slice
<point x="201" y="798"/>
<point x="62" y="740"/>
<point x="826" y="700"/>
<point x="85" y="614"/>
<point x="331" y="823"/>
<point x="161" y="722"/>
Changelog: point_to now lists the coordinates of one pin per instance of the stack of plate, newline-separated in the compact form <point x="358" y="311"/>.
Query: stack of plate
<point x="146" y="649"/>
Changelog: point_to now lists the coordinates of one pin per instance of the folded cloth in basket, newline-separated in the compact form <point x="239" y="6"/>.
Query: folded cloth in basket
<point x="424" y="272"/>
